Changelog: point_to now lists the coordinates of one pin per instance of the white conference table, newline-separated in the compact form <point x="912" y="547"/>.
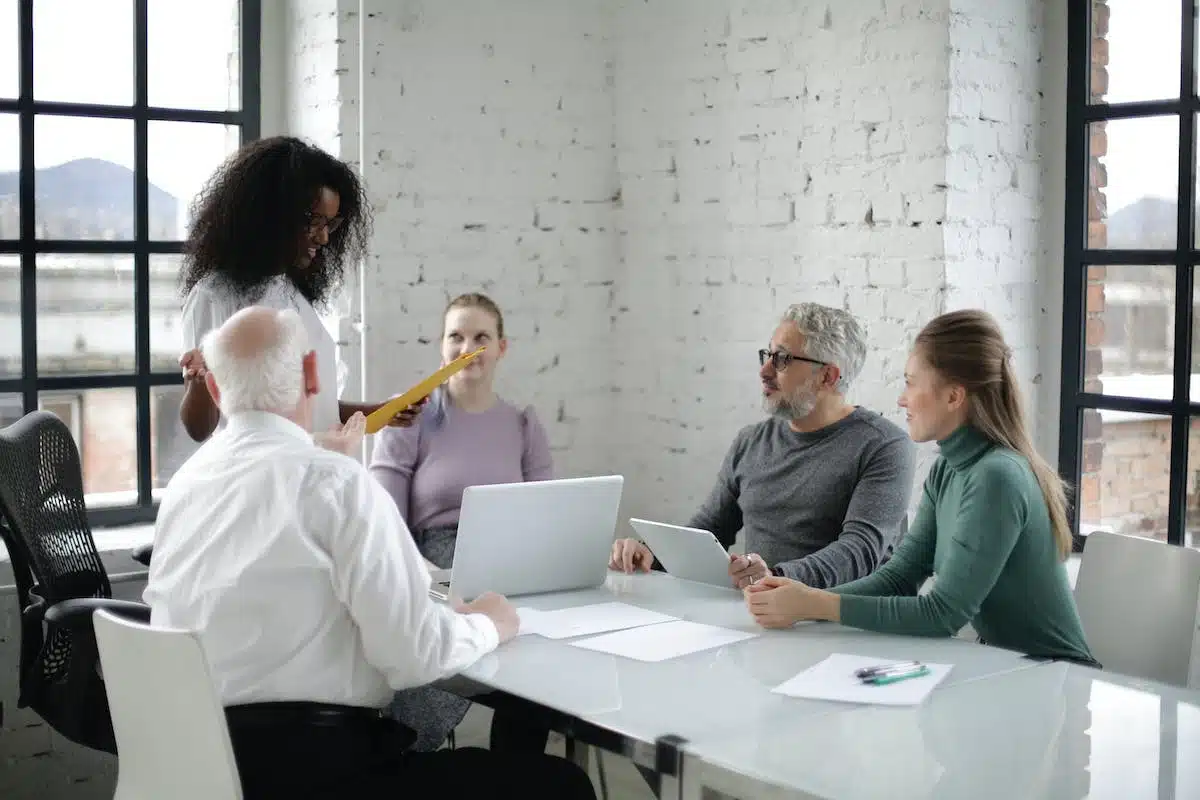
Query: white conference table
<point x="1057" y="732"/>
<point x="704" y="700"/>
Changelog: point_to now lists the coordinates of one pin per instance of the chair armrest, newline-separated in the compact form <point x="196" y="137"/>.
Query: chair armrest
<point x="77" y="613"/>
<point x="142" y="554"/>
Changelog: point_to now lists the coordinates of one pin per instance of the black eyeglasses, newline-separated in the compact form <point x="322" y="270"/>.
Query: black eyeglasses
<point x="316" y="222"/>
<point x="780" y="359"/>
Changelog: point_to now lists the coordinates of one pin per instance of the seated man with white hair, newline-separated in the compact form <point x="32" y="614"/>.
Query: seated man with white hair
<point x="821" y="487"/>
<point x="310" y="598"/>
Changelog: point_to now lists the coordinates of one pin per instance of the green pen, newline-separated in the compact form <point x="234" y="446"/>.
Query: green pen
<point x="883" y="680"/>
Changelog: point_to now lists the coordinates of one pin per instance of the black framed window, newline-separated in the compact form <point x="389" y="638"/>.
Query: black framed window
<point x="1130" y="422"/>
<point x="113" y="113"/>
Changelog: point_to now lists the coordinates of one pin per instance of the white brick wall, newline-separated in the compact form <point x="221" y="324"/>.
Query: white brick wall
<point x="769" y="153"/>
<point x="488" y="153"/>
<point x="761" y="153"/>
<point x="994" y="173"/>
<point x="643" y="187"/>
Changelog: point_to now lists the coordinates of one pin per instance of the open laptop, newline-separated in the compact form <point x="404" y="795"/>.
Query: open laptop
<point x="688" y="553"/>
<point x="533" y="537"/>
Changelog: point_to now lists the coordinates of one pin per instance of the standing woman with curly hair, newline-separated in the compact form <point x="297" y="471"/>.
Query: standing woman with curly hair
<point x="275" y="226"/>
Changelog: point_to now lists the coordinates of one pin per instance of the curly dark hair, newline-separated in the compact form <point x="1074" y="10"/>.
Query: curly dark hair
<point x="248" y="221"/>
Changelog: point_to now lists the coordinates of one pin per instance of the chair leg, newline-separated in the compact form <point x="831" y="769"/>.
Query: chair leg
<point x="600" y="774"/>
<point x="450" y="740"/>
<point x="577" y="752"/>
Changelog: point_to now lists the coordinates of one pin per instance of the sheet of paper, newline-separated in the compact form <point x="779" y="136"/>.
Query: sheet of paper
<point x="530" y="619"/>
<point x="660" y="642"/>
<point x="586" y="620"/>
<point x="833" y="679"/>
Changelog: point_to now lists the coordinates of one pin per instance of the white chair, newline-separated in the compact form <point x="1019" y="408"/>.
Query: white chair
<point x="1138" y="601"/>
<point x="172" y="737"/>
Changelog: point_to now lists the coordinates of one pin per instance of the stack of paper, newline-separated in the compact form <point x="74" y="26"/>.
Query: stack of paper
<point x="586" y="620"/>
<point x="834" y="679"/>
<point x="660" y="642"/>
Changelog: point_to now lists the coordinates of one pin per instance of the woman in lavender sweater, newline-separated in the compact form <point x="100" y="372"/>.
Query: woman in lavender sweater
<point x="467" y="437"/>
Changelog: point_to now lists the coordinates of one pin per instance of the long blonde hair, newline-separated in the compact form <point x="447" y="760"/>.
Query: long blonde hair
<point x="968" y="348"/>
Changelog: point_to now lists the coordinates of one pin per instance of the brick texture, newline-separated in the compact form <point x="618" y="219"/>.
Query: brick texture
<point x="768" y="153"/>
<point x="645" y="186"/>
<point x="994" y="174"/>
<point x="1092" y="481"/>
<point x="487" y="145"/>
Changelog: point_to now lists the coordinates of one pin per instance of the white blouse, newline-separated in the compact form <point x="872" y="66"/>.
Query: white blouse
<point x="210" y="303"/>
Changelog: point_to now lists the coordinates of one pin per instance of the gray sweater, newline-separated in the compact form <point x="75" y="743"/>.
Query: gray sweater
<point x="824" y="507"/>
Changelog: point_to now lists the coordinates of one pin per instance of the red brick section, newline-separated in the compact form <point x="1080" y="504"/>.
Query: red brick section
<point x="1089" y="491"/>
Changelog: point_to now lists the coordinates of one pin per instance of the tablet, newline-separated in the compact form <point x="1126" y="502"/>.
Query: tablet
<point x="688" y="553"/>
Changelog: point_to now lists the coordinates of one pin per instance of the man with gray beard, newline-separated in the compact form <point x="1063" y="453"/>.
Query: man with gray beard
<point x="820" y="487"/>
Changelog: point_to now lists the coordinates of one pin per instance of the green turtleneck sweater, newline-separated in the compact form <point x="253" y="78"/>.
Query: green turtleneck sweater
<point x="984" y="530"/>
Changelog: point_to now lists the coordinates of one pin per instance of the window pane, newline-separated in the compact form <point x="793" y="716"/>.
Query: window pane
<point x="194" y="54"/>
<point x="10" y="84"/>
<point x="182" y="157"/>
<point x="10" y="176"/>
<point x="1126" y="471"/>
<point x="85" y="314"/>
<point x="84" y="178"/>
<point x="1136" y="47"/>
<point x="104" y="424"/>
<point x="170" y="444"/>
<point x="1132" y="183"/>
<point x="10" y="316"/>
<point x="1130" y="331"/>
<point x="11" y="409"/>
<point x="83" y="51"/>
<point x="166" y="342"/>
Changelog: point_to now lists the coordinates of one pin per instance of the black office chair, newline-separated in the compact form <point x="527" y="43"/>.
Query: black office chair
<point x="60" y="579"/>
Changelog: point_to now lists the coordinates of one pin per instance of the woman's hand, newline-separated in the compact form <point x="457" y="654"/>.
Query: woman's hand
<point x="776" y="602"/>
<point x="406" y="416"/>
<point x="193" y="366"/>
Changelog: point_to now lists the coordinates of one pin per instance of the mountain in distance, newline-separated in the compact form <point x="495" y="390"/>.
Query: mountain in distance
<point x="88" y="198"/>
<point x="1147" y="223"/>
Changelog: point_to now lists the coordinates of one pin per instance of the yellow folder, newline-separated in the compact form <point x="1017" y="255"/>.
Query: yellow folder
<point x="380" y="417"/>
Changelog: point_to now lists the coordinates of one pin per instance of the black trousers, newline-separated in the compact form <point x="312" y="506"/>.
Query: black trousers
<point x="515" y="736"/>
<point x="368" y="758"/>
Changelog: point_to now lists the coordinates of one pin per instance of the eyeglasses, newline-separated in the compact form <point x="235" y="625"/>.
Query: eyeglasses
<point x="780" y="359"/>
<point x="317" y="222"/>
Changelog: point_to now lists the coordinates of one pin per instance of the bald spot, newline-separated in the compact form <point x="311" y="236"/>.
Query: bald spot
<point x="249" y="332"/>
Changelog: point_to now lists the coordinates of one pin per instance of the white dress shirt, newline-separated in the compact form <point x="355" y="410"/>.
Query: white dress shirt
<point x="299" y="574"/>
<point x="210" y="303"/>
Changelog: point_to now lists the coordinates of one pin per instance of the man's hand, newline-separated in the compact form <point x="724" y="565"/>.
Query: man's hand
<point x="747" y="569"/>
<point x="345" y="439"/>
<point x="496" y="608"/>
<point x="629" y="555"/>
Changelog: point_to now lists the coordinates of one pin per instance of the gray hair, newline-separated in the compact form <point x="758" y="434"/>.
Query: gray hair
<point x="833" y="336"/>
<point x="269" y="379"/>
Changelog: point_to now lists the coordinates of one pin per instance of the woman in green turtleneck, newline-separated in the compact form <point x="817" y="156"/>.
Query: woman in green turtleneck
<point x="992" y="523"/>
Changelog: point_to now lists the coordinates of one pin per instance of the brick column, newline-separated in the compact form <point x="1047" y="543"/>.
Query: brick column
<point x="1088" y="497"/>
